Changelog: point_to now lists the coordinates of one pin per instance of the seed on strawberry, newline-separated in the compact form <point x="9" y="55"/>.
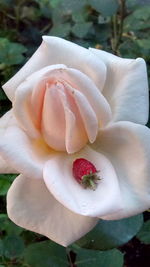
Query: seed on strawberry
<point x="85" y="173"/>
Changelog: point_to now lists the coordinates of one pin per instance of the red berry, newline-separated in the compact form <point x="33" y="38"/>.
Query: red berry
<point x="85" y="173"/>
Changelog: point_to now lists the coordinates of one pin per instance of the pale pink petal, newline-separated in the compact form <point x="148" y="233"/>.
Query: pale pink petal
<point x="25" y="155"/>
<point x="6" y="121"/>
<point x="126" y="87"/>
<point x="27" y="98"/>
<point x="79" y="81"/>
<point x="88" y="115"/>
<point x="75" y="137"/>
<point x="97" y="101"/>
<point x="127" y="145"/>
<point x="61" y="183"/>
<point x="53" y="119"/>
<point x="30" y="205"/>
<point x="5" y="167"/>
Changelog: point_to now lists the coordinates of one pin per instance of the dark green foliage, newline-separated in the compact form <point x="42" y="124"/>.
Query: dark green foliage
<point x="111" y="234"/>
<point x="144" y="233"/>
<point x="111" y="258"/>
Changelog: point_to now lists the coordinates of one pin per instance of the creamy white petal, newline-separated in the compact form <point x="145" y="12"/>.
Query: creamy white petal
<point x="126" y="87"/>
<point x="6" y="121"/>
<point x="5" y="167"/>
<point x="54" y="50"/>
<point x="31" y="205"/>
<point x="22" y="153"/>
<point x="127" y="145"/>
<point x="61" y="183"/>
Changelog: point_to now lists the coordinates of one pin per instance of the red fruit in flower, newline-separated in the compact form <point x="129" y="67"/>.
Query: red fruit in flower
<point x="85" y="173"/>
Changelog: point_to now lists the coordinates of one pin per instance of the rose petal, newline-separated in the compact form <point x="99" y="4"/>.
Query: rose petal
<point x="6" y="121"/>
<point x="126" y="87"/>
<point x="53" y="119"/>
<point x="27" y="98"/>
<point x="74" y="56"/>
<point x="87" y="113"/>
<point x="127" y="145"/>
<point x="87" y="87"/>
<point x="61" y="183"/>
<point x="30" y="205"/>
<point x="5" y="168"/>
<point x="22" y="153"/>
<point x="76" y="137"/>
<point x="54" y="50"/>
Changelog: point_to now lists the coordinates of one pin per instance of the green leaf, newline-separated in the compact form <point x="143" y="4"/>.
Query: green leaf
<point x="55" y="3"/>
<point x="61" y="30"/>
<point x="9" y="226"/>
<point x="46" y="254"/>
<point x="129" y="49"/>
<point x="9" y="177"/>
<point x="106" y="7"/>
<point x="132" y="4"/>
<point x="11" y="53"/>
<point x="4" y="186"/>
<point x="144" y="233"/>
<point x="5" y="182"/>
<point x="138" y="20"/>
<point x="93" y="258"/>
<point x="1" y="248"/>
<point x="13" y="246"/>
<point x="144" y="43"/>
<point x="80" y="17"/>
<point x="72" y="5"/>
<point x="135" y="48"/>
<point x="2" y="95"/>
<point x="81" y="29"/>
<point x="111" y="234"/>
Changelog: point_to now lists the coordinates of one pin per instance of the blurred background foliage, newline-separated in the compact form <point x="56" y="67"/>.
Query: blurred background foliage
<point x="118" y="26"/>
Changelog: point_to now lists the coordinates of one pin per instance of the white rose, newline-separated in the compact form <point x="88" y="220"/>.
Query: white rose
<point x="68" y="103"/>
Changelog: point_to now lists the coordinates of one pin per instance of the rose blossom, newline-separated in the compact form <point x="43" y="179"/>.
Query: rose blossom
<point x="68" y="103"/>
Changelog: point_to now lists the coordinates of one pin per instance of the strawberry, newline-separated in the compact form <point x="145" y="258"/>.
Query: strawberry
<point x="85" y="173"/>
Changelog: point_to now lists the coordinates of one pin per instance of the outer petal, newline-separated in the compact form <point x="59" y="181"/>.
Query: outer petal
<point x="5" y="167"/>
<point x="126" y="87"/>
<point x="61" y="183"/>
<point x="127" y="145"/>
<point x="5" y="121"/>
<point x="30" y="205"/>
<point x="55" y="50"/>
<point x="22" y="153"/>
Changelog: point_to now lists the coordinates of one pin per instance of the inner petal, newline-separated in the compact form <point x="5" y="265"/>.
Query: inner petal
<point x="76" y="136"/>
<point x="87" y="113"/>
<point x="53" y="119"/>
<point x="61" y="183"/>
